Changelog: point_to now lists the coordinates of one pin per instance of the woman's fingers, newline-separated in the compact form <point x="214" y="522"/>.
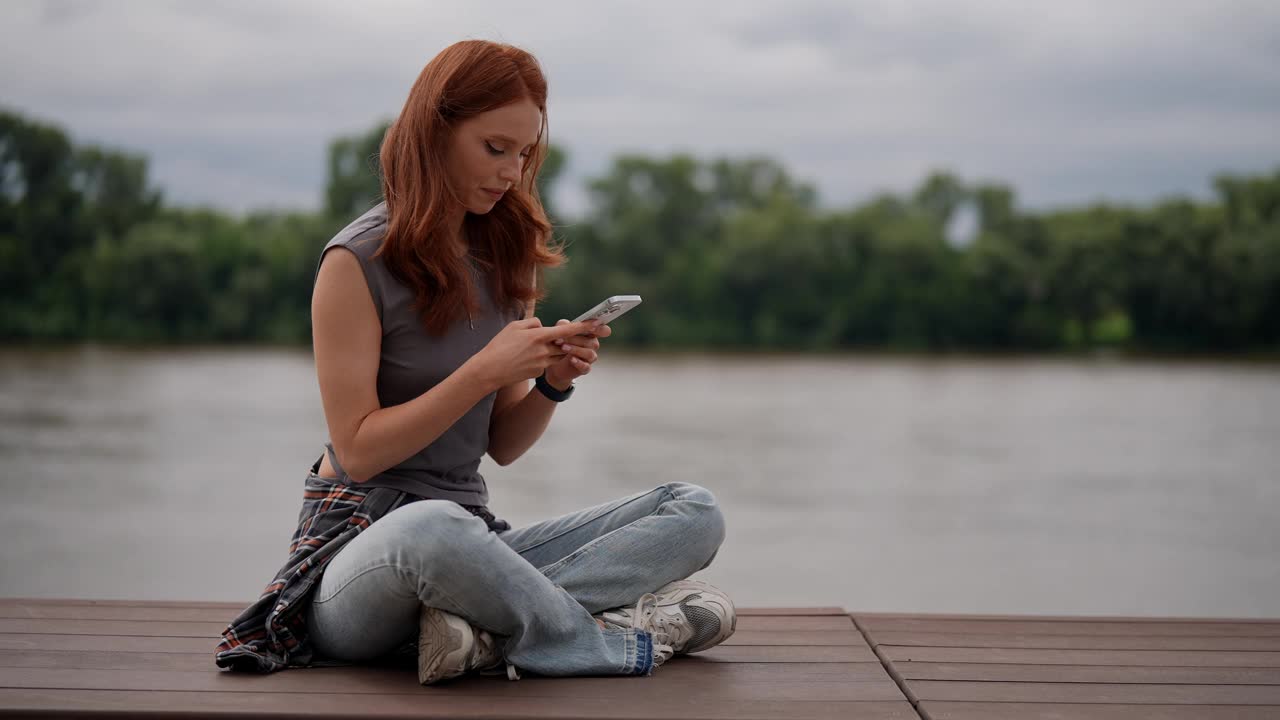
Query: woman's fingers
<point x="583" y="342"/>
<point x="564" y="330"/>
<point x="580" y="353"/>
<point x="575" y="352"/>
<point x="587" y="339"/>
<point x="579" y="348"/>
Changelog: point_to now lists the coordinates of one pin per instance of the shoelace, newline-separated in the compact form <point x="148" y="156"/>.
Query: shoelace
<point x="646" y="617"/>
<point x="489" y="645"/>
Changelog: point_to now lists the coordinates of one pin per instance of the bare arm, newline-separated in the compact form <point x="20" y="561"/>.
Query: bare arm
<point x="520" y="415"/>
<point x="519" y="418"/>
<point x="520" y="425"/>
<point x="347" y="340"/>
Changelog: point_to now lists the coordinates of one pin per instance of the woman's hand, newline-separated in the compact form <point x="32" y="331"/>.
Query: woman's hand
<point x="581" y="351"/>
<point x="523" y="349"/>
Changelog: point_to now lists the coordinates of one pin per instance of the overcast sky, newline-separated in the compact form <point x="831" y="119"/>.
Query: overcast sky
<point x="1068" y="101"/>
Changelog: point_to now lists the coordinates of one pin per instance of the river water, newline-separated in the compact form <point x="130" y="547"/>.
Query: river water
<point x="1035" y="486"/>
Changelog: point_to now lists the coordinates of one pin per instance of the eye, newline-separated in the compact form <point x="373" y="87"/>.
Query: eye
<point x="492" y="150"/>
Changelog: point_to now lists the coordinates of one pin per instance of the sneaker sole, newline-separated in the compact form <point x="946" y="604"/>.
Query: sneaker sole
<point x="442" y="649"/>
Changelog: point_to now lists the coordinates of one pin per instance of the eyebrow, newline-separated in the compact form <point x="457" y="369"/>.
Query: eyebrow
<point x="513" y="141"/>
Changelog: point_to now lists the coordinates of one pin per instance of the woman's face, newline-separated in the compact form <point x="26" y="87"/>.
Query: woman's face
<point x="489" y="152"/>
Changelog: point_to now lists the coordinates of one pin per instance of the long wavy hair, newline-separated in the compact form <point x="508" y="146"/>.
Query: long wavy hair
<point x="512" y="242"/>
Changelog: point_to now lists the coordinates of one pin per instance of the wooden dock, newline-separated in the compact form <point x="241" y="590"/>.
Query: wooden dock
<point x="92" y="658"/>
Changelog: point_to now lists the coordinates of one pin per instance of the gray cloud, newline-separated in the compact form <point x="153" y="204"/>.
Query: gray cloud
<point x="1068" y="102"/>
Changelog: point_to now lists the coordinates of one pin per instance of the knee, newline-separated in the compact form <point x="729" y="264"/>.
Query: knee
<point x="706" y="527"/>
<point x="431" y="527"/>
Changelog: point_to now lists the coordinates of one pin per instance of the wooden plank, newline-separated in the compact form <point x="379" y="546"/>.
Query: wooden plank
<point x="119" y="612"/>
<point x="219" y="618"/>
<point x="427" y="703"/>
<point x="209" y="631"/>
<point x="107" y="659"/>
<point x="1007" y="627"/>
<point x="1089" y="674"/>
<point x="724" y="653"/>
<point x="783" y="653"/>
<point x="234" y="607"/>
<point x="1046" y="711"/>
<point x="1148" y="658"/>
<point x="721" y="653"/>
<point x="797" y="637"/>
<point x="690" y="666"/>
<point x="120" y="643"/>
<point x="1081" y="642"/>
<point x="668" y="681"/>
<point x="1114" y="693"/>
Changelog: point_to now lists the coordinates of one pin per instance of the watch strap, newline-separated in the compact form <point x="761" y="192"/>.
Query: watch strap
<point x="552" y="393"/>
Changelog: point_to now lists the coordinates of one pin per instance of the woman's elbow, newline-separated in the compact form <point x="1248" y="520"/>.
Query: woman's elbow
<point x="352" y="466"/>
<point x="502" y="458"/>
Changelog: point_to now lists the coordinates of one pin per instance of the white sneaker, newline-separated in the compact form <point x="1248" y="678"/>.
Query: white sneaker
<point x="686" y="616"/>
<point x="644" y="616"/>
<point x="449" y="646"/>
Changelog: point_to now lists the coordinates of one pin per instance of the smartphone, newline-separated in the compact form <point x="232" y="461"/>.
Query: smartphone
<point x="610" y="308"/>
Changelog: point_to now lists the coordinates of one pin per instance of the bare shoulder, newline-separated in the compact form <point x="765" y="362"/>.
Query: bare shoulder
<point x="343" y="316"/>
<point x="338" y="265"/>
<point x="340" y="284"/>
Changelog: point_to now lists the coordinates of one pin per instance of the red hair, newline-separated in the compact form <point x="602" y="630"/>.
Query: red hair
<point x="511" y="241"/>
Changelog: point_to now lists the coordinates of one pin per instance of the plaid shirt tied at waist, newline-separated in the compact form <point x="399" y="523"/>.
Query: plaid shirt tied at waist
<point x="271" y="634"/>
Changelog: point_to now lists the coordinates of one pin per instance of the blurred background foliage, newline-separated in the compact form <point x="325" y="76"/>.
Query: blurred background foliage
<point x="729" y="253"/>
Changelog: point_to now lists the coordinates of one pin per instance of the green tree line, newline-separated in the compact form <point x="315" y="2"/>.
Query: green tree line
<point x="730" y="253"/>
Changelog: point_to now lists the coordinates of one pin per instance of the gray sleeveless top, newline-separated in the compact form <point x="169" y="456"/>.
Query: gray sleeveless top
<point x="413" y="362"/>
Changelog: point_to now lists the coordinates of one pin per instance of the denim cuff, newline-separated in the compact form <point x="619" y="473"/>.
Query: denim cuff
<point x="644" y="654"/>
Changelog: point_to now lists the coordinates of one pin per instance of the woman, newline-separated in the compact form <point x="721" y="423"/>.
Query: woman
<point x="425" y="342"/>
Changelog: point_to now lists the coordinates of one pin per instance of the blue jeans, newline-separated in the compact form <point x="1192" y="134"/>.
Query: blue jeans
<point x="534" y="588"/>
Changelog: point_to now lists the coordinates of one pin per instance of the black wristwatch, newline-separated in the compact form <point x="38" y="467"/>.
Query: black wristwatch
<point x="545" y="388"/>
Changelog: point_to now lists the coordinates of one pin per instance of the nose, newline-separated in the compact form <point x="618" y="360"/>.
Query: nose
<point x="509" y="172"/>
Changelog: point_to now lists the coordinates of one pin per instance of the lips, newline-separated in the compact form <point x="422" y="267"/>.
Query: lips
<point x="495" y="194"/>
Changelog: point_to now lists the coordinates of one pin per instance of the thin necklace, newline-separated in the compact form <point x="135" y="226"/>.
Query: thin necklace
<point x="471" y="268"/>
